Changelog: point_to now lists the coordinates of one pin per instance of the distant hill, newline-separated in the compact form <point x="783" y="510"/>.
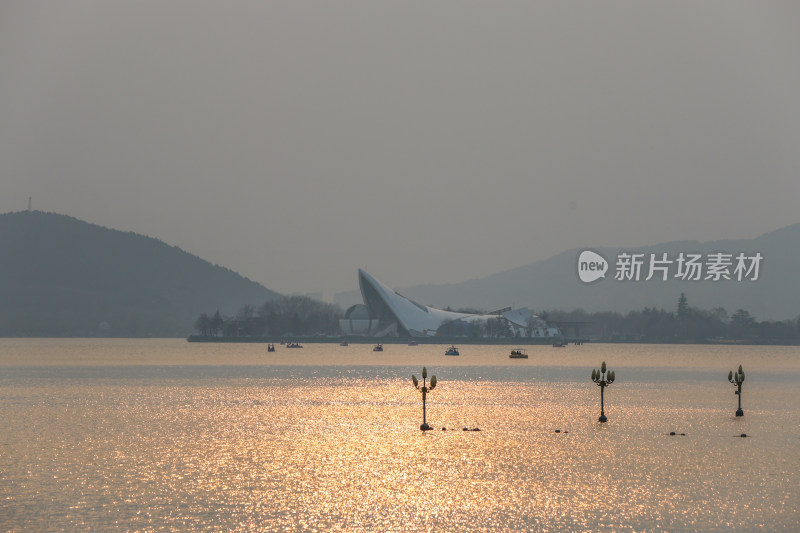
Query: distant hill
<point x="553" y="283"/>
<point x="60" y="276"/>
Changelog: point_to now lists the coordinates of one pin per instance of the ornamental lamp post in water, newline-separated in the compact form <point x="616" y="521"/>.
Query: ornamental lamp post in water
<point x="603" y="379"/>
<point x="737" y="379"/>
<point x="424" y="388"/>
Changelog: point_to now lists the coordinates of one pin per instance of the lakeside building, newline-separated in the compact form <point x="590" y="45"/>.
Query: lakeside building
<point x="386" y="313"/>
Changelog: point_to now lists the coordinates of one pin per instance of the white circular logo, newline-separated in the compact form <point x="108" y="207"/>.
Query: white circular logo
<point x="591" y="266"/>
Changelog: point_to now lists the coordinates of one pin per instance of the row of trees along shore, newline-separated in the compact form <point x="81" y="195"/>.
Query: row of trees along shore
<point x="286" y="315"/>
<point x="303" y="316"/>
<point x="685" y="324"/>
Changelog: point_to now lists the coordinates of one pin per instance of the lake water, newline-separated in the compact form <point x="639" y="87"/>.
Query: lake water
<point x="160" y="435"/>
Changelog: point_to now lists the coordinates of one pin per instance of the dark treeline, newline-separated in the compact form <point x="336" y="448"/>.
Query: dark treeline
<point x="285" y="315"/>
<point x="302" y="316"/>
<point x="494" y="327"/>
<point x="685" y="324"/>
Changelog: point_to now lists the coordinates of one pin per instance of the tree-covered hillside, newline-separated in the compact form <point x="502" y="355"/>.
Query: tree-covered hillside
<point x="60" y="276"/>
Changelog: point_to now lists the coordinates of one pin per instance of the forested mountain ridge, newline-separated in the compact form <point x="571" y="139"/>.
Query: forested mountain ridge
<point x="60" y="276"/>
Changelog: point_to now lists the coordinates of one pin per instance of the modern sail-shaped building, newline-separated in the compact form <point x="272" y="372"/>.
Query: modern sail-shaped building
<point x="386" y="313"/>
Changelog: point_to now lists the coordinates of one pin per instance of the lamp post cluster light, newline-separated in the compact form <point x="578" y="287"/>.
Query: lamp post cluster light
<point x="602" y="377"/>
<point x="603" y="380"/>
<point x="424" y="389"/>
<point x="737" y="378"/>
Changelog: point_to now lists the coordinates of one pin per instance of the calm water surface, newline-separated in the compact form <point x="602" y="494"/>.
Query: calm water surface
<point x="162" y="435"/>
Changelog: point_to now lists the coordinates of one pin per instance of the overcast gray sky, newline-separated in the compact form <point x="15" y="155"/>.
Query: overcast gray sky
<point x="295" y="141"/>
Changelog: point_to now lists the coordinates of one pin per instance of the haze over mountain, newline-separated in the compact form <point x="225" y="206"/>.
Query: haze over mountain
<point x="554" y="283"/>
<point x="428" y="141"/>
<point x="60" y="276"/>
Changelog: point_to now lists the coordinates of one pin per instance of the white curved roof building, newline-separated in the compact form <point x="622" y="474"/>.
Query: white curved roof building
<point x="388" y="313"/>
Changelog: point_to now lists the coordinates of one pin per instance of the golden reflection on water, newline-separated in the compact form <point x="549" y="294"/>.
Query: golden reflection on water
<point x="331" y="453"/>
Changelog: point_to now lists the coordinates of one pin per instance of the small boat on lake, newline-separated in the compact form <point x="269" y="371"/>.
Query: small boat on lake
<point x="517" y="353"/>
<point x="452" y="350"/>
<point x="378" y="348"/>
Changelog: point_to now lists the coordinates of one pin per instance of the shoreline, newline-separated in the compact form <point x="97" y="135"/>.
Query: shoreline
<point x="510" y="341"/>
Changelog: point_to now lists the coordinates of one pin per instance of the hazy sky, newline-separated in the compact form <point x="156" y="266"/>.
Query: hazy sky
<point x="295" y="141"/>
